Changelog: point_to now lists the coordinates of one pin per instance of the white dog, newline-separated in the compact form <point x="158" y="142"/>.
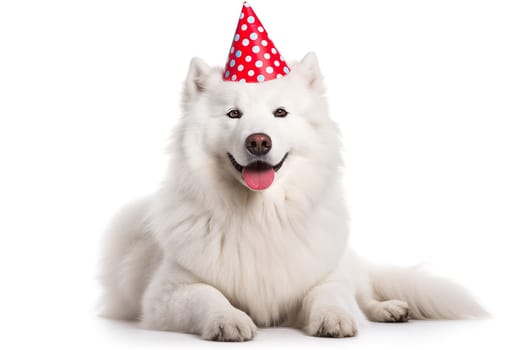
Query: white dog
<point x="250" y="227"/>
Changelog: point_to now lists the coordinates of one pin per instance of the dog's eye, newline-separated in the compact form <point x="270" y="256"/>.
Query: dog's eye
<point x="280" y="113"/>
<point x="234" y="113"/>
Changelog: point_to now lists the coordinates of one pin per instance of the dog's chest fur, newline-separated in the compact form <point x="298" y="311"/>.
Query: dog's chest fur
<point x="263" y="258"/>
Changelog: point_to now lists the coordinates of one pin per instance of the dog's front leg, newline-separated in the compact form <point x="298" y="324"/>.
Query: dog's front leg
<point x="329" y="310"/>
<point x="183" y="305"/>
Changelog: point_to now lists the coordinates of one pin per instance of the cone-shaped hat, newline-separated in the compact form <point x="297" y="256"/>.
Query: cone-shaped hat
<point x="253" y="58"/>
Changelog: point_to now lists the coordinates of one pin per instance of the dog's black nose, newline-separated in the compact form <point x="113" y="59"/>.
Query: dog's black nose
<point x="258" y="144"/>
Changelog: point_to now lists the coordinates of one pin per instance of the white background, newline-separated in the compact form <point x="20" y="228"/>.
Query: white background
<point x="429" y="96"/>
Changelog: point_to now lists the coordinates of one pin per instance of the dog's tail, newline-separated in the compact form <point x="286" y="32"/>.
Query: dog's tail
<point x="428" y="296"/>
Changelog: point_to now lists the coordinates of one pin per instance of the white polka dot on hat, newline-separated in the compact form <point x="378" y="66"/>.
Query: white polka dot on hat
<point x="253" y="58"/>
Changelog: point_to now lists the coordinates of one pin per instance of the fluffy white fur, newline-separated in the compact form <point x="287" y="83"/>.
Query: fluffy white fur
<point x="207" y="255"/>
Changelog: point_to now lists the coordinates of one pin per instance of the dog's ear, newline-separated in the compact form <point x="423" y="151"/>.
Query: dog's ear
<point x="309" y="69"/>
<point x="196" y="79"/>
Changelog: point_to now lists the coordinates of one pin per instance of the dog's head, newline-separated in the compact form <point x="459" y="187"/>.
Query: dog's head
<point x="260" y="135"/>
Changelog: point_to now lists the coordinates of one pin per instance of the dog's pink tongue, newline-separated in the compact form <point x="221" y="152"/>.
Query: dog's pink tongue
<point x="258" y="179"/>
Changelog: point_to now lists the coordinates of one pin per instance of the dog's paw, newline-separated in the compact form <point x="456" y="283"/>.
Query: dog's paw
<point x="389" y="311"/>
<point x="331" y="323"/>
<point x="232" y="326"/>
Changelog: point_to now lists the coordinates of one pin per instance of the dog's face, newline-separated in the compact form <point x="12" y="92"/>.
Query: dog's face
<point x="258" y="133"/>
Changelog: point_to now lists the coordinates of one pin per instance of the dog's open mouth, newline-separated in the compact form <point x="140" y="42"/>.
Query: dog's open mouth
<point x="257" y="175"/>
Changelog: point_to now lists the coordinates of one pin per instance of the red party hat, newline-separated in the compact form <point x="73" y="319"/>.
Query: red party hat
<point x="253" y="58"/>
